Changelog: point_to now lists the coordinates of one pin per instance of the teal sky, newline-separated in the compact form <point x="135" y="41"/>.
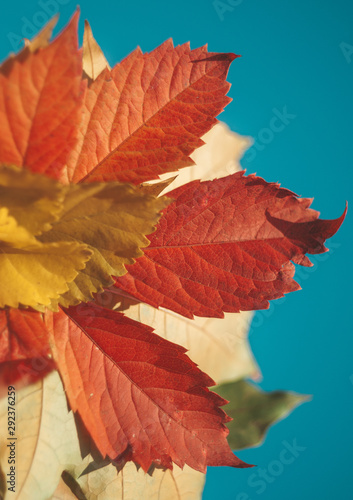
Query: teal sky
<point x="297" y="62"/>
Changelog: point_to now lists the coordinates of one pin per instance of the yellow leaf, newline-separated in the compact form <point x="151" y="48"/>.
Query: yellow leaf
<point x="46" y="439"/>
<point x="35" y="201"/>
<point x="112" y="219"/>
<point x="31" y="272"/>
<point x="94" y="61"/>
<point x="49" y="231"/>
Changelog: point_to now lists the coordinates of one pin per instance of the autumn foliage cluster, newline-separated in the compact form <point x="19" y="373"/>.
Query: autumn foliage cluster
<point x="80" y="144"/>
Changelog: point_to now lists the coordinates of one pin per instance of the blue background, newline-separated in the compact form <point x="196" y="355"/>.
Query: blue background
<point x="291" y="56"/>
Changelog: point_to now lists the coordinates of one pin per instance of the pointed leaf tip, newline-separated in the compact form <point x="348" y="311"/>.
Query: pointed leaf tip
<point x="94" y="61"/>
<point x="165" y="121"/>
<point x="240" y="230"/>
<point x="41" y="104"/>
<point x="254" y="411"/>
<point x="169" y="415"/>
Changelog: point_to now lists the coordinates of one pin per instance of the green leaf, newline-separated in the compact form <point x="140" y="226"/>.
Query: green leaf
<point x="254" y="411"/>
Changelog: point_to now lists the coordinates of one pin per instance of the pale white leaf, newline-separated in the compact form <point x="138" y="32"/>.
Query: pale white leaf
<point x="46" y="438"/>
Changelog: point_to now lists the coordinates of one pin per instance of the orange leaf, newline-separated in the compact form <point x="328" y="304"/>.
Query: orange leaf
<point x="146" y="115"/>
<point x="22" y="335"/>
<point x="40" y="105"/>
<point x="140" y="397"/>
<point x="24" y="348"/>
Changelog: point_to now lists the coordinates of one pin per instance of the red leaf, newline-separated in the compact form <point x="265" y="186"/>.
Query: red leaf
<point x="40" y="105"/>
<point x="24" y="348"/>
<point x="146" y="115"/>
<point x="140" y="397"/>
<point x="226" y="246"/>
<point x="24" y="372"/>
<point x="23" y="335"/>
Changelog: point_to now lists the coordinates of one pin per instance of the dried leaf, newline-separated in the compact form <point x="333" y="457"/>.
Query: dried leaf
<point x="63" y="492"/>
<point x="46" y="438"/>
<point x="131" y="483"/>
<point x="94" y="61"/>
<point x="218" y="157"/>
<point x="218" y="346"/>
